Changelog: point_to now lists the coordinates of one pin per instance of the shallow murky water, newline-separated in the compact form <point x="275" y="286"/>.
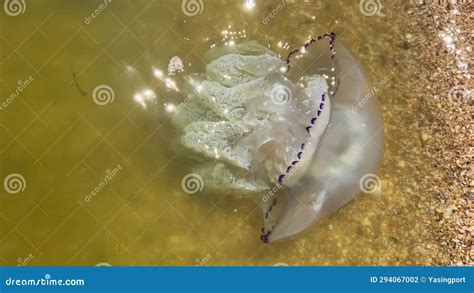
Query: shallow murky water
<point x="102" y="178"/>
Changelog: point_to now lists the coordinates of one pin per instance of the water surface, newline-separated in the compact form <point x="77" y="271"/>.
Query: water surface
<point x="65" y="144"/>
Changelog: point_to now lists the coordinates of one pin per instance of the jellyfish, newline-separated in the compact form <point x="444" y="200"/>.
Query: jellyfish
<point x="295" y="134"/>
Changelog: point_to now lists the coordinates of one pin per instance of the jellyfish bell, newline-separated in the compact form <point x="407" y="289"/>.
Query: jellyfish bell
<point x="351" y="146"/>
<point x="283" y="131"/>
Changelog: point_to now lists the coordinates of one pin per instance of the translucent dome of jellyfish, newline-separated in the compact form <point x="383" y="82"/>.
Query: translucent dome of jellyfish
<point x="283" y="131"/>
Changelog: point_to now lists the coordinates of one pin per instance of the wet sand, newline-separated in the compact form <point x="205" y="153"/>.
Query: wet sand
<point x="445" y="52"/>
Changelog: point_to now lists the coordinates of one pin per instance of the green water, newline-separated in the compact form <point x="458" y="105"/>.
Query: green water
<point x="66" y="146"/>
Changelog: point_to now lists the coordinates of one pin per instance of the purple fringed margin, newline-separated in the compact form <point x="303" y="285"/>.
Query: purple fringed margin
<point x="332" y="37"/>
